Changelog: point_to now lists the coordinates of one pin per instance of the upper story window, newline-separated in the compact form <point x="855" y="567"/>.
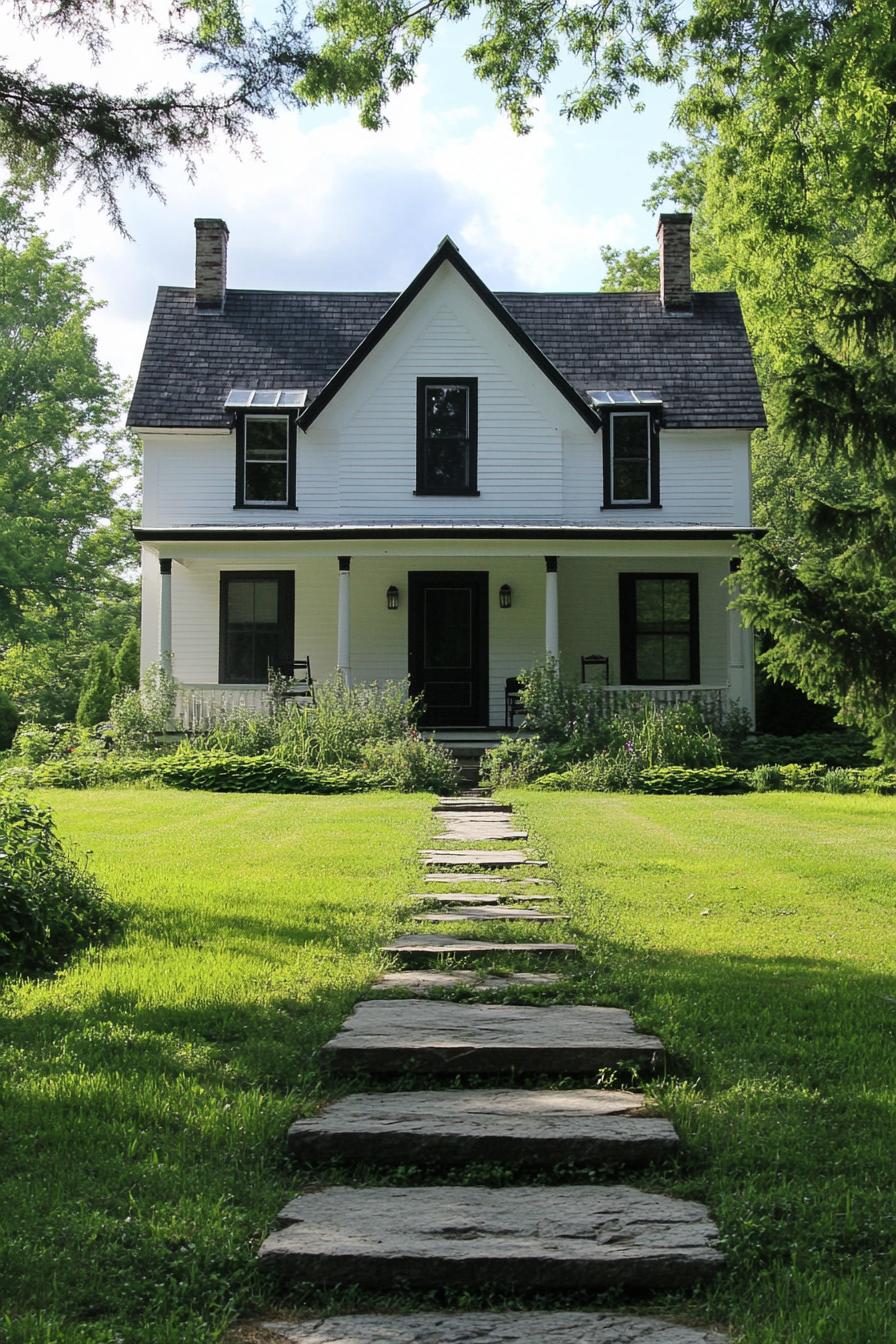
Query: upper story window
<point x="266" y="462"/>
<point x="631" y="460"/>
<point x="446" y="436"/>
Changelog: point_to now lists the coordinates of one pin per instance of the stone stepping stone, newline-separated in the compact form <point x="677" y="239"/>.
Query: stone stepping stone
<point x="484" y="1327"/>
<point x="430" y="944"/>
<point x="521" y="1128"/>
<point x="487" y="912"/>
<point x="466" y="803"/>
<point x="481" y="833"/>
<point x="554" y="1239"/>
<point x="397" y="1035"/>
<point x="494" y="879"/>
<point x="421" y="982"/>
<point x="479" y="858"/>
<point x="479" y="898"/>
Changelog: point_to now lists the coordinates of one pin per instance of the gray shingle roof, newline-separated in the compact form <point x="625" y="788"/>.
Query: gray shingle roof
<point x="268" y="338"/>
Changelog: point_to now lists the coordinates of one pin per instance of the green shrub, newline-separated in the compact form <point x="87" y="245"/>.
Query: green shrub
<point x="82" y="772"/>
<point x="244" y="732"/>
<point x="50" y="906"/>
<point x="33" y="743"/>
<point x="126" y="668"/>
<point x="98" y="689"/>
<point x="222" y="772"/>
<point x="9" y="721"/>
<point x="684" y="779"/>
<point x="516" y="760"/>
<point x="844" y="748"/>
<point x="138" y="717"/>
<point x="336" y="729"/>
<point x="412" y="765"/>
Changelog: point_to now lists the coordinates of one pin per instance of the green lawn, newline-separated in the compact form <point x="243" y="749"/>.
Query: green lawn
<point x="757" y="936"/>
<point x="146" y="1091"/>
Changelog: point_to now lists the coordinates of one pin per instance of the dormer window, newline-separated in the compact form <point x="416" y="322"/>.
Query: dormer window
<point x="631" y="448"/>
<point x="266" y="461"/>
<point x="446" y="436"/>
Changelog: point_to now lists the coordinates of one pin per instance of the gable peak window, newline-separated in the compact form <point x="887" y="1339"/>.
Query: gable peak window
<point x="266" y="461"/>
<point x="631" y="459"/>
<point x="446" y="436"/>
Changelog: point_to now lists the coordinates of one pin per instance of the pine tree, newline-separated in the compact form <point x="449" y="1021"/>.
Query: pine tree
<point x="98" y="689"/>
<point x="126" y="668"/>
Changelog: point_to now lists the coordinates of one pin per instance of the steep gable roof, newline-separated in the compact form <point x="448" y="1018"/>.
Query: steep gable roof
<point x="701" y="363"/>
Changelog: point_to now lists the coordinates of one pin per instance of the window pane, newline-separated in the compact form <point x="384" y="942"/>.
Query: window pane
<point x="677" y="657"/>
<point x="240" y="602"/>
<point x="649" y="603"/>
<point x="266" y="591"/>
<point x="630" y="480"/>
<point x="265" y="482"/>
<point x="447" y="466"/>
<point x="631" y="435"/>
<point x="446" y="411"/>
<point x="266" y="438"/>
<point x="677" y="602"/>
<point x="649" y="658"/>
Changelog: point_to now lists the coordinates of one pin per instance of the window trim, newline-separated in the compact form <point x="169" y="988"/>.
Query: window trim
<point x="628" y="634"/>
<point x="286" y="609"/>
<point x="609" y="416"/>
<point x="270" y="413"/>
<point x="472" y="386"/>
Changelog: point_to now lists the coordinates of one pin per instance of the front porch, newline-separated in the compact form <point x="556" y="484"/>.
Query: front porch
<point x="458" y="622"/>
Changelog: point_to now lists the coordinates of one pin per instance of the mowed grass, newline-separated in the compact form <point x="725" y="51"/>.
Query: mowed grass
<point x="146" y="1091"/>
<point x="757" y="937"/>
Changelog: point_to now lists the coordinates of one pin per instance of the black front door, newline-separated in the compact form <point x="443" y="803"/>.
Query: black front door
<point x="448" y="646"/>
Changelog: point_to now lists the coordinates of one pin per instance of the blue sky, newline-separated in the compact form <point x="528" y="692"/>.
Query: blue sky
<point x="327" y="205"/>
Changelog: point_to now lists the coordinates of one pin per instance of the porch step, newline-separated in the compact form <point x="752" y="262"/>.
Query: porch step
<point x="432" y="944"/>
<point x="488" y="912"/>
<point x="518" y="1128"/>
<point x="479" y="898"/>
<point x="525" y="1238"/>
<point x="468" y="803"/>
<point x="421" y="982"/>
<point x="398" y="1035"/>
<point x="485" y="1327"/>
<point x="479" y="858"/>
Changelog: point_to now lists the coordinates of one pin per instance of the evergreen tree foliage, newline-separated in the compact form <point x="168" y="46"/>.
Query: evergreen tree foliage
<point x="9" y="721"/>
<point x="98" y="689"/>
<point x="127" y="662"/>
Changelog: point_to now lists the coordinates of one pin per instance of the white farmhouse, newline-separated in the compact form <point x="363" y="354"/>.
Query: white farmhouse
<point x="447" y="484"/>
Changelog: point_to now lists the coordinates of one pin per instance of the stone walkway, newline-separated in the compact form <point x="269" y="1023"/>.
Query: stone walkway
<point x="516" y="1238"/>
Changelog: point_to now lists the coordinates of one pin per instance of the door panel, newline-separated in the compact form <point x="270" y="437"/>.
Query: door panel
<point x="448" y="645"/>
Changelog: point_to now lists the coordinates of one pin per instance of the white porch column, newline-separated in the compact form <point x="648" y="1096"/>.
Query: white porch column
<point x="165" y="647"/>
<point x="344" y="621"/>
<point x="740" y="654"/>
<point x="551" y="609"/>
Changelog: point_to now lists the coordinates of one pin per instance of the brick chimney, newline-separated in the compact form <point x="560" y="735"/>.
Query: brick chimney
<point x="211" y="264"/>
<point x="674" y="236"/>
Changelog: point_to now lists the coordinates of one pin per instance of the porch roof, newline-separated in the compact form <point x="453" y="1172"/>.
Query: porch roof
<point x="437" y="531"/>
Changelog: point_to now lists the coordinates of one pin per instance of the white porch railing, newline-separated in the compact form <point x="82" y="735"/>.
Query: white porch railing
<point x="198" y="708"/>
<point x="712" y="701"/>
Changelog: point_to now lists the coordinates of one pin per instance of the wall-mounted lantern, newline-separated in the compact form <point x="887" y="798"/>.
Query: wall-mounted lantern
<point x="392" y="597"/>
<point x="504" y="596"/>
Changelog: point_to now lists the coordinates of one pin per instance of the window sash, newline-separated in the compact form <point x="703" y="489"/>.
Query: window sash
<point x="630" y="457"/>
<point x="249" y="643"/>
<point x="670" y="642"/>
<point x="265" y="455"/>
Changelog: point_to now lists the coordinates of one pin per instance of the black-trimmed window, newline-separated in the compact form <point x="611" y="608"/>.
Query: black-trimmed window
<point x="446" y="436"/>
<point x="631" y="459"/>
<point x="266" y="462"/>
<point x="257" y="624"/>
<point x="659" y="629"/>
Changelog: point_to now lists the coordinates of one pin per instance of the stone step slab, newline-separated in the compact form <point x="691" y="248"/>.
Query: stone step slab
<point x="432" y="944"/>
<point x="535" y="1238"/>
<point x="480" y="833"/>
<point x="524" y="1129"/>
<point x="388" y="1036"/>
<point x="494" y="878"/>
<point x="487" y="912"/>
<point x="485" y="1327"/>
<point x="479" y="858"/>
<point x="479" y="897"/>
<point x="422" y="982"/>
<point x="468" y="803"/>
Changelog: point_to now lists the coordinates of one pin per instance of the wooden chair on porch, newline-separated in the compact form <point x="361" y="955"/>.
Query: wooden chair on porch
<point x="513" y="700"/>
<point x="299" y="684"/>
<point x="599" y="660"/>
